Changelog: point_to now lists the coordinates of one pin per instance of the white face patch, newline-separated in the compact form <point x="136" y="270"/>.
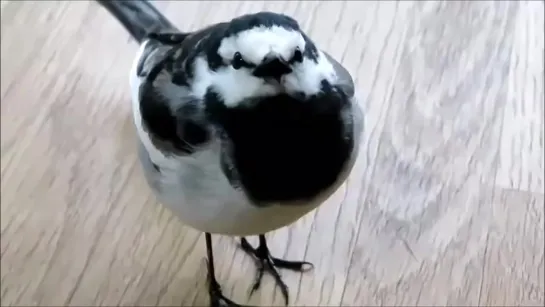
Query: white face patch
<point x="308" y="75"/>
<point x="234" y="86"/>
<point x="254" y="44"/>
<point x="237" y="85"/>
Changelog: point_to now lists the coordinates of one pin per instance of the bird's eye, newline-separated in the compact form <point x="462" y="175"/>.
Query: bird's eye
<point x="297" y="56"/>
<point x="238" y="61"/>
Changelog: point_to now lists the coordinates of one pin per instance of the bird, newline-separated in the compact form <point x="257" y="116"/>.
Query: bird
<point x="244" y="126"/>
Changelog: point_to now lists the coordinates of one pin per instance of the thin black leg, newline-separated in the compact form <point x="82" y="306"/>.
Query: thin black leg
<point x="217" y="298"/>
<point x="265" y="262"/>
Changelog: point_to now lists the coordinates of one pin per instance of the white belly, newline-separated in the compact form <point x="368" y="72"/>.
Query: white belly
<point x="240" y="222"/>
<point x="223" y="210"/>
<point x="230" y="218"/>
<point x="199" y="194"/>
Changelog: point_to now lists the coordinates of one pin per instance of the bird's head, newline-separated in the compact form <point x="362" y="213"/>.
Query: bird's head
<point x="261" y="55"/>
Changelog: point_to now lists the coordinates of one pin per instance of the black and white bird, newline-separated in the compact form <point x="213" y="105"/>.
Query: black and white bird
<point x="245" y="126"/>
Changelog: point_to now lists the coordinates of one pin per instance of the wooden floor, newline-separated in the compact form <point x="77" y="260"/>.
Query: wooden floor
<point x="445" y="205"/>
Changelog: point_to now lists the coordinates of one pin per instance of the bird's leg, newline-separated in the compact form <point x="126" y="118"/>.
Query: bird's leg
<point x="217" y="298"/>
<point x="266" y="262"/>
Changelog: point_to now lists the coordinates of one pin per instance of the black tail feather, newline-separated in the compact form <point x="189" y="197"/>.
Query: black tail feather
<point x="139" y="17"/>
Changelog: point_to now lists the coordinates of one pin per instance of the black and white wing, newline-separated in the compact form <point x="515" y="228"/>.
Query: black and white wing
<point x="345" y="80"/>
<point x="165" y="112"/>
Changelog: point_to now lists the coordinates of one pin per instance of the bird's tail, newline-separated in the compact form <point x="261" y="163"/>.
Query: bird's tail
<point x="139" y="17"/>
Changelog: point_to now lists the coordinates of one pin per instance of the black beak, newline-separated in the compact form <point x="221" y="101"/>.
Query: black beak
<point x="272" y="67"/>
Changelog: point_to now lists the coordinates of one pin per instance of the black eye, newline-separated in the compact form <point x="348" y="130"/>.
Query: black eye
<point x="297" y="56"/>
<point x="238" y="61"/>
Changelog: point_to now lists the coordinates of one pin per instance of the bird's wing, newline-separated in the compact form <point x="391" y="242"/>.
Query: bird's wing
<point x="345" y="79"/>
<point x="346" y="82"/>
<point x="170" y="114"/>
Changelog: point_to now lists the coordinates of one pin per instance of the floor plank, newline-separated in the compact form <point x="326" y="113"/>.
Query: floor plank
<point x="513" y="266"/>
<point x="522" y="160"/>
<point x="425" y="219"/>
<point x="445" y="204"/>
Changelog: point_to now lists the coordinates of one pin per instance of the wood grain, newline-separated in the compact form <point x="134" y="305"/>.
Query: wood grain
<point x="521" y="156"/>
<point x="444" y="207"/>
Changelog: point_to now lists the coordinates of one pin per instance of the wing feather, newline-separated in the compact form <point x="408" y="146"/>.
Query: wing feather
<point x="345" y="79"/>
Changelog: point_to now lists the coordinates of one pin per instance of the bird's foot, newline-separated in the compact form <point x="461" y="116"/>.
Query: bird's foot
<point x="265" y="262"/>
<point x="217" y="299"/>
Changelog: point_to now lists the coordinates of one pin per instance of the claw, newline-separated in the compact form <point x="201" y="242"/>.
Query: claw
<point x="265" y="262"/>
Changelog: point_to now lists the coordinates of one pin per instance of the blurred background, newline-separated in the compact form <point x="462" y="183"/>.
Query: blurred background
<point x="444" y="207"/>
